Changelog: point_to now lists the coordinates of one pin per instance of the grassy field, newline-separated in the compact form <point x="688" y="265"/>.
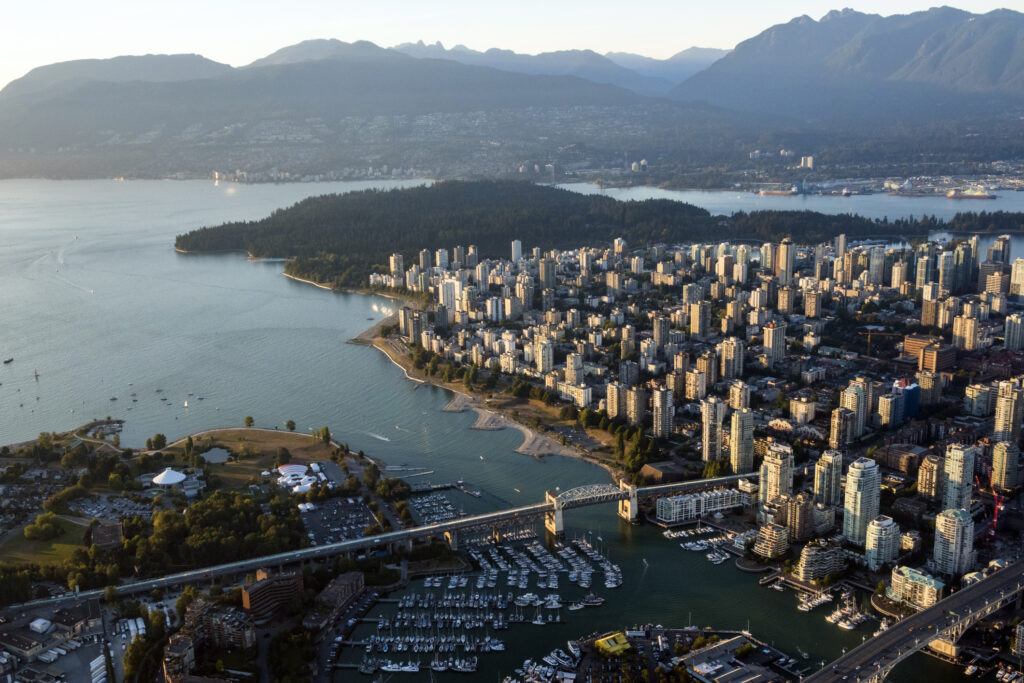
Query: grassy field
<point x="19" y="549"/>
<point x="237" y="474"/>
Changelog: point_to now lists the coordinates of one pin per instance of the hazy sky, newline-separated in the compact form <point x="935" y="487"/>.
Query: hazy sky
<point x="37" y="32"/>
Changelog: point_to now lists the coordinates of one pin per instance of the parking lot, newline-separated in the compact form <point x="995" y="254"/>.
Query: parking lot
<point x="74" y="666"/>
<point x="337" y="519"/>
<point x="111" y="509"/>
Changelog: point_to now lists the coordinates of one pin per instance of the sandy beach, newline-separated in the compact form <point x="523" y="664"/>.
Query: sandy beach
<point x="308" y="282"/>
<point x="533" y="444"/>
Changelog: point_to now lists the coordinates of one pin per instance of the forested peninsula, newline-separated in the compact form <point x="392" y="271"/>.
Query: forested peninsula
<point x="340" y="239"/>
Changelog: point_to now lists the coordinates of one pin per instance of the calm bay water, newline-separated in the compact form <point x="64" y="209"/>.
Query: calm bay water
<point x="93" y="296"/>
<point x="868" y="205"/>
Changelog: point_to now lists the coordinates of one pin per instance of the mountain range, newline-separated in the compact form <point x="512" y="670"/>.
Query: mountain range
<point x="371" y="102"/>
<point x="850" y="64"/>
<point x="357" y="79"/>
<point x="847" y="64"/>
<point x="643" y="75"/>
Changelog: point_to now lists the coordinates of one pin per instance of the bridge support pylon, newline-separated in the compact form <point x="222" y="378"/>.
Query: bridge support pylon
<point x="553" y="520"/>
<point x="629" y="508"/>
<point x="945" y="646"/>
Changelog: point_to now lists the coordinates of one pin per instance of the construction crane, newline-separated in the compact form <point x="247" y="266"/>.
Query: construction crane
<point x="997" y="502"/>
<point x="878" y="333"/>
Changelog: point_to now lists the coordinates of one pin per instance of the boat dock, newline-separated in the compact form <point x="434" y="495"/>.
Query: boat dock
<point x="429" y="487"/>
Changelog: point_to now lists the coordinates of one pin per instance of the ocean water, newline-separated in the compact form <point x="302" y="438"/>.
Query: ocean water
<point x="723" y="202"/>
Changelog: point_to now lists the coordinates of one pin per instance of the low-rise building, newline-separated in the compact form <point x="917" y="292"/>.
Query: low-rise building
<point x="23" y="643"/>
<point x="179" y="658"/>
<point x="692" y="506"/>
<point x="914" y="587"/>
<point x="819" y="559"/>
<point x="269" y="593"/>
<point x="772" y="541"/>
<point x="219" y="626"/>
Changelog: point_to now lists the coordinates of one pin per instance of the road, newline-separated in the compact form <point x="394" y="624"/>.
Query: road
<point x="914" y="633"/>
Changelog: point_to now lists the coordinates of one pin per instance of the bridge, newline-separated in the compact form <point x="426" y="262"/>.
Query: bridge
<point x="551" y="510"/>
<point x="627" y="495"/>
<point x="938" y="627"/>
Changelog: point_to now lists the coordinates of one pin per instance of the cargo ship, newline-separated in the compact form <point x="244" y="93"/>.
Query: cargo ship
<point x="778" y="193"/>
<point x="969" y="194"/>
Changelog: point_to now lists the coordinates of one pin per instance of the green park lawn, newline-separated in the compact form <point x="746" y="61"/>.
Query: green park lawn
<point x="19" y="549"/>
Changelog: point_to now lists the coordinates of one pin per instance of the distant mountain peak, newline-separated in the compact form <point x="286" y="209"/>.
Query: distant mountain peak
<point x="155" y="68"/>
<point x="844" y="13"/>
<point x="316" y="49"/>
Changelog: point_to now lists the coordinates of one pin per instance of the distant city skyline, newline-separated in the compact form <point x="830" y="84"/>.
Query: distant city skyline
<point x="35" y="34"/>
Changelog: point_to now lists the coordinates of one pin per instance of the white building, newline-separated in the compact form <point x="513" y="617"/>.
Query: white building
<point x="959" y="476"/>
<point x="1009" y="412"/>
<point x="828" y="478"/>
<point x="712" y="413"/>
<point x="692" y="506"/>
<point x="953" y="554"/>
<point x="696" y="384"/>
<point x="863" y="490"/>
<point x="882" y="544"/>
<point x="776" y="473"/>
<point x="615" y="403"/>
<point x="802" y="410"/>
<point x="731" y="352"/>
<point x="775" y="342"/>
<point x="739" y="395"/>
<point x="1013" y="330"/>
<point x="544" y="356"/>
<point x="661" y="402"/>
<point x="854" y="400"/>
<point x="914" y="587"/>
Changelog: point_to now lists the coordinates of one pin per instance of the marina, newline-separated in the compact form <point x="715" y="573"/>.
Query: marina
<point x="847" y="616"/>
<point x="446" y="622"/>
<point x="716" y="542"/>
<point x="432" y="508"/>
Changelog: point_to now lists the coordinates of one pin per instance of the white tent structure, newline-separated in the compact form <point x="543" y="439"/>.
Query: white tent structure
<point x="168" y="478"/>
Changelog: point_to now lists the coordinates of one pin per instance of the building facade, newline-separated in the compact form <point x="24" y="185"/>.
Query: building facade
<point x="860" y="506"/>
<point x="882" y="544"/>
<point x="959" y="476"/>
<point x="776" y="473"/>
<point x="953" y="554"/>
<point x="914" y="587"/>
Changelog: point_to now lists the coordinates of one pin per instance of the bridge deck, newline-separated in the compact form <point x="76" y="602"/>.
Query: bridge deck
<point x="875" y="658"/>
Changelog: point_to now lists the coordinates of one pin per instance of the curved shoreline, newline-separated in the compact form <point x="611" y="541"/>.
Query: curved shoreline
<point x="308" y="282"/>
<point x="534" y="444"/>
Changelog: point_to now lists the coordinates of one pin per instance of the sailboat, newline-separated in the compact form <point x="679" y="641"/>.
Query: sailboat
<point x="186" y="404"/>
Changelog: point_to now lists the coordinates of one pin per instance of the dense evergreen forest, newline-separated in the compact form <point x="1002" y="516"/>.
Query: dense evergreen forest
<point x="340" y="239"/>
